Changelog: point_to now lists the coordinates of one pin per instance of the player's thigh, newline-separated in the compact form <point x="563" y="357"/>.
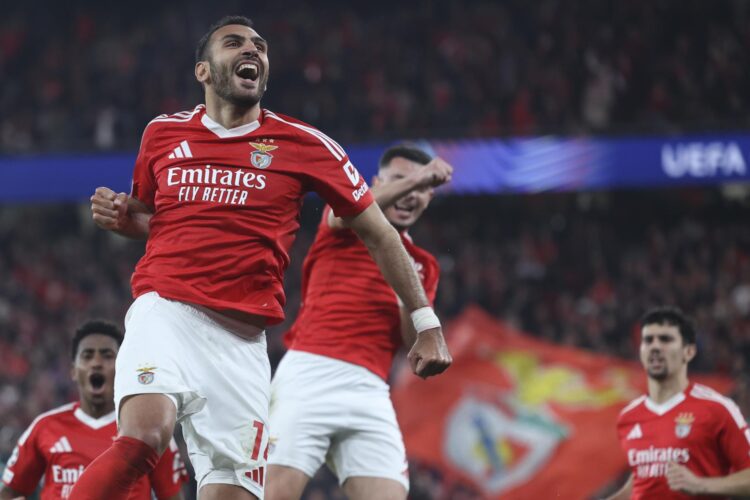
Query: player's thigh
<point x="373" y="447"/>
<point x="224" y="492"/>
<point x="216" y="370"/>
<point x="227" y="439"/>
<point x="149" y="418"/>
<point x="373" y="488"/>
<point x="285" y="483"/>
<point x="303" y="415"/>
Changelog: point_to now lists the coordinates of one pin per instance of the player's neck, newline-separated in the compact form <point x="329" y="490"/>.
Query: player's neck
<point x="229" y="115"/>
<point x="662" y="390"/>
<point x="95" y="410"/>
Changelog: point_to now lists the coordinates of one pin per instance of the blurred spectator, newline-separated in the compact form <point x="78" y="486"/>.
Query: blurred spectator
<point x="90" y="76"/>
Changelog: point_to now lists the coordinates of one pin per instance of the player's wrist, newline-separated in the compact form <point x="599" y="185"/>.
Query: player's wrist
<point x="424" y="319"/>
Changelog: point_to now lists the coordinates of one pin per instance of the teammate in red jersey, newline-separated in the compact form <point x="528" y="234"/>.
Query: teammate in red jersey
<point x="330" y="399"/>
<point x="217" y="191"/>
<point x="682" y="440"/>
<point x="60" y="443"/>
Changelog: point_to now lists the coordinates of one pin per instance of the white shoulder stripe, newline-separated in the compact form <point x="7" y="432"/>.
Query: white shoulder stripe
<point x="336" y="150"/>
<point x="704" y="392"/>
<point x="27" y="432"/>
<point x="182" y="116"/>
<point x="633" y="404"/>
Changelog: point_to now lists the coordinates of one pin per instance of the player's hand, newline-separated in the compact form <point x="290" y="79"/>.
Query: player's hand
<point x="429" y="355"/>
<point x="681" y="479"/>
<point x="109" y="209"/>
<point x="434" y="174"/>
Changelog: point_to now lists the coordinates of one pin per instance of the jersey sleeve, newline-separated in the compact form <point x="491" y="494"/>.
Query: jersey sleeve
<point x="26" y="464"/>
<point x="169" y="474"/>
<point x="431" y="281"/>
<point x="332" y="175"/>
<point x="734" y="437"/>
<point x="144" y="182"/>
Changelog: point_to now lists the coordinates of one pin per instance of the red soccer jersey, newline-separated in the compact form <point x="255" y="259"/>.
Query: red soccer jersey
<point x="226" y="205"/>
<point x="60" y="444"/>
<point x="348" y="311"/>
<point x="700" y="429"/>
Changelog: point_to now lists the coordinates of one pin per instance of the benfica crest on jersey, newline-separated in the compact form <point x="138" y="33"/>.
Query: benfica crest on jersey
<point x="146" y="374"/>
<point x="684" y="423"/>
<point x="261" y="157"/>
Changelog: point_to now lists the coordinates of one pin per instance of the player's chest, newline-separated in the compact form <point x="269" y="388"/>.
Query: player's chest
<point x="238" y="172"/>
<point x="676" y="429"/>
<point x="67" y="454"/>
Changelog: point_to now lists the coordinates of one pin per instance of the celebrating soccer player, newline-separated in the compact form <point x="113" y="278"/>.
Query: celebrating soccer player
<point x="60" y="443"/>
<point x="681" y="438"/>
<point x="329" y="394"/>
<point x="217" y="191"/>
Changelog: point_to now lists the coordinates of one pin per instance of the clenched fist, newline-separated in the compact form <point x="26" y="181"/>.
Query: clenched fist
<point x="429" y="355"/>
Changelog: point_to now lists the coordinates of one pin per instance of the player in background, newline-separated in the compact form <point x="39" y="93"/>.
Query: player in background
<point x="217" y="192"/>
<point x="329" y="396"/>
<point x="681" y="440"/>
<point x="59" y="444"/>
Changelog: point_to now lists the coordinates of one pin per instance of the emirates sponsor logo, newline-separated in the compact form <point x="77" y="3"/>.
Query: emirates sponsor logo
<point x="653" y="461"/>
<point x="214" y="184"/>
<point x="66" y="475"/>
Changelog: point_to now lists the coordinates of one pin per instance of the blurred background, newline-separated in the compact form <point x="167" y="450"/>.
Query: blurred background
<point x="601" y="154"/>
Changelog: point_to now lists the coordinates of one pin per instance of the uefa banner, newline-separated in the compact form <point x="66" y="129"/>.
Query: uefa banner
<point x="493" y="165"/>
<point x="516" y="417"/>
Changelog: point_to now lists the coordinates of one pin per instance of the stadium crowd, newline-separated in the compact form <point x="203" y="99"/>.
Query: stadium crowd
<point x="573" y="268"/>
<point x="387" y="69"/>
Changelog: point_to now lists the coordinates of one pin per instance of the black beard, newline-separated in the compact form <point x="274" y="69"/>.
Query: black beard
<point x="658" y="376"/>
<point x="222" y="82"/>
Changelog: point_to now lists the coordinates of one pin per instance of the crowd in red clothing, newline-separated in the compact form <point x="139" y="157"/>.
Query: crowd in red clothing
<point x="88" y="77"/>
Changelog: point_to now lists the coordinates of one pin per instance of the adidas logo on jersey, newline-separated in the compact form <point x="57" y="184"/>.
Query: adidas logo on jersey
<point x="181" y="151"/>
<point x="635" y="432"/>
<point x="61" y="446"/>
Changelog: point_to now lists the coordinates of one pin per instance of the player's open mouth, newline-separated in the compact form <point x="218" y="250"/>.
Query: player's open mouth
<point x="97" y="380"/>
<point x="404" y="209"/>
<point x="248" y="71"/>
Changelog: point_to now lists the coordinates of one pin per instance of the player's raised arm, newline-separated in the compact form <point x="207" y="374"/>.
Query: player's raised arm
<point x="120" y="213"/>
<point x="429" y="355"/>
<point x="434" y="174"/>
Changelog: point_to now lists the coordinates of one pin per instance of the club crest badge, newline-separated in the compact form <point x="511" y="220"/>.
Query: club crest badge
<point x="684" y="423"/>
<point x="261" y="157"/>
<point x="146" y="374"/>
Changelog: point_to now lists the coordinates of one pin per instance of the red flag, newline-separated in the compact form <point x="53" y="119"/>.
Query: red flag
<point x="517" y="417"/>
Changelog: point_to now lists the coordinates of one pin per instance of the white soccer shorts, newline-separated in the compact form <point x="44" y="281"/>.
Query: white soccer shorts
<point x="218" y="379"/>
<point x="324" y="409"/>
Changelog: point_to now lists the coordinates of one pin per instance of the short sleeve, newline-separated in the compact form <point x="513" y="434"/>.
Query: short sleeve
<point x="169" y="474"/>
<point x="26" y="464"/>
<point x="734" y="436"/>
<point x="332" y="175"/>
<point x="144" y="182"/>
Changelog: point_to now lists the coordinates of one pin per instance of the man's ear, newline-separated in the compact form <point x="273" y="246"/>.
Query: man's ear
<point x="690" y="352"/>
<point x="202" y="72"/>
<point x="375" y="180"/>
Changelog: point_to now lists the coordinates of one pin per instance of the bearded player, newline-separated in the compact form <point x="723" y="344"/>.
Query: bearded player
<point x="681" y="440"/>
<point x="217" y="192"/>
<point x="59" y="444"/>
<point x="330" y="399"/>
